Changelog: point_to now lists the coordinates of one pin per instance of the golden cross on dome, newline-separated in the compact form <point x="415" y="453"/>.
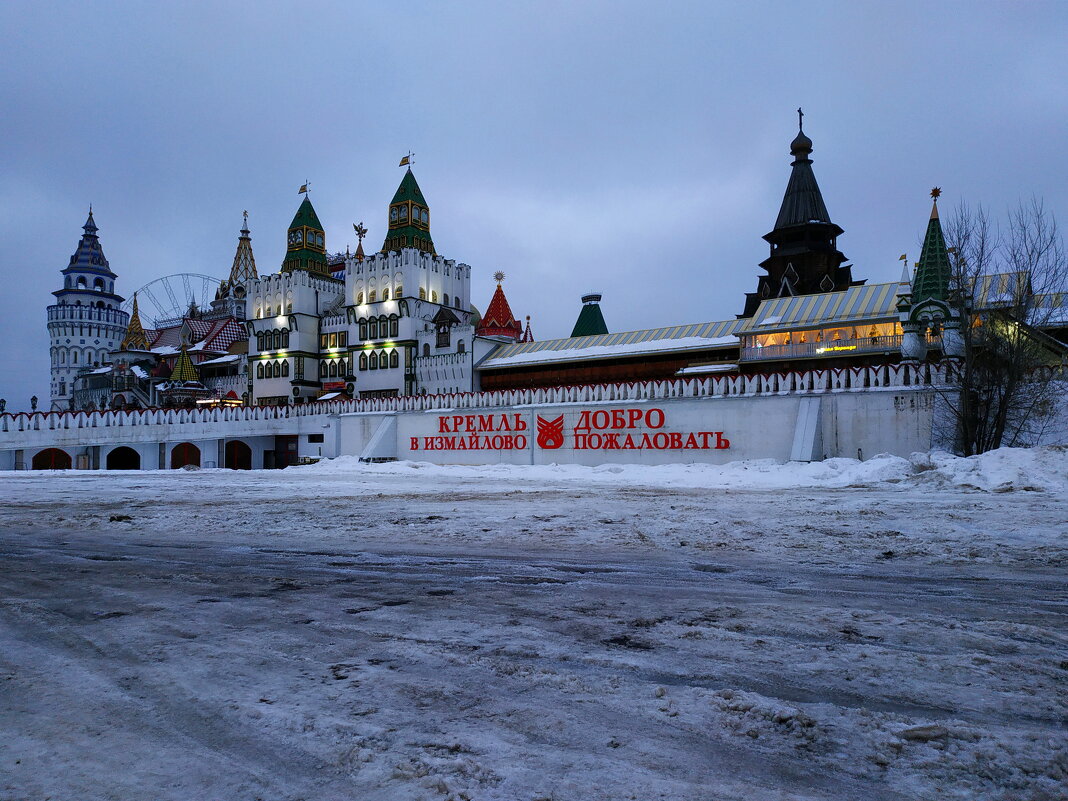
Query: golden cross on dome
<point x="498" y="276"/>
<point x="936" y="192"/>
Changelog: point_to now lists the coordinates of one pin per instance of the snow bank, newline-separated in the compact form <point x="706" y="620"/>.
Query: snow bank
<point x="1003" y="470"/>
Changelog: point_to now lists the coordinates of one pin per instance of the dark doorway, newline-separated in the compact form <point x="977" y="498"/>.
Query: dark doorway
<point x="124" y="459"/>
<point x="238" y="455"/>
<point x="185" y="453"/>
<point x="51" y="459"/>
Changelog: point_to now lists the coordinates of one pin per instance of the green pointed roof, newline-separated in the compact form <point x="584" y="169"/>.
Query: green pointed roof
<point x="409" y="219"/>
<point x="304" y="254"/>
<point x="933" y="270"/>
<point x="306" y="216"/>
<point x="184" y="369"/>
<point x="409" y="190"/>
<point x="590" y="320"/>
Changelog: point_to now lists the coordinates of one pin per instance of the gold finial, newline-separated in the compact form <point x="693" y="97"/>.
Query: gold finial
<point x="498" y="276"/>
<point x="936" y="192"/>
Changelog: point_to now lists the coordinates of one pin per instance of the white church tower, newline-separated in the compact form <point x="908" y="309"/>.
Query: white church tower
<point x="86" y="322"/>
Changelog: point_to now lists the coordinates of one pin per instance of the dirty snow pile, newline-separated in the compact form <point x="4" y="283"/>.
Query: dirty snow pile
<point x="1002" y="470"/>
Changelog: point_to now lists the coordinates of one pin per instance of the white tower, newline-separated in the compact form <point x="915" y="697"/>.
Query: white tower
<point x="85" y="323"/>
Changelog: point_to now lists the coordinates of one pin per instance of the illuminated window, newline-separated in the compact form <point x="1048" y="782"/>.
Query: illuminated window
<point x="422" y="294"/>
<point x="371" y="296"/>
<point x="399" y="291"/>
<point x="359" y="298"/>
<point x="433" y="297"/>
<point x="385" y="293"/>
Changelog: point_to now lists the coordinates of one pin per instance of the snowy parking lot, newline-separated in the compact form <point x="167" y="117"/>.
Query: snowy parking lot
<point x="888" y="629"/>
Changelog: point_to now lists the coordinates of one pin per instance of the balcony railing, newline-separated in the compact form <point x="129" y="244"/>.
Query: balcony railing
<point x="822" y="350"/>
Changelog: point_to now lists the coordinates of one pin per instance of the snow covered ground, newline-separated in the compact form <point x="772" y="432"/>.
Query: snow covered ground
<point x="891" y="629"/>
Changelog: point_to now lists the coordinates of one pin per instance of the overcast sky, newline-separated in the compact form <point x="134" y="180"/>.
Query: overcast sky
<point x="637" y="149"/>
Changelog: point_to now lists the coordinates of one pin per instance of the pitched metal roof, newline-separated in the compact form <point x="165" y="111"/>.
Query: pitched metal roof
<point x="870" y="302"/>
<point x="624" y="343"/>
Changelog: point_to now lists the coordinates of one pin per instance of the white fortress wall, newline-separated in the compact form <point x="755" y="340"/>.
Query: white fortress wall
<point x="801" y="415"/>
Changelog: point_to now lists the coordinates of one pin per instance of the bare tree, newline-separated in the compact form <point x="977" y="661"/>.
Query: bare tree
<point x="1008" y="284"/>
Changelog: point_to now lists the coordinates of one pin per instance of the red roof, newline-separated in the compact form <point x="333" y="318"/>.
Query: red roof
<point x="498" y="320"/>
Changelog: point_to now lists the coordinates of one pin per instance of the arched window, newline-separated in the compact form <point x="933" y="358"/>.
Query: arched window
<point x="434" y="297"/>
<point x="322" y="369"/>
<point x="363" y="361"/>
<point x="259" y="370"/>
<point x="285" y="368"/>
<point x="81" y="282"/>
<point x="394" y="325"/>
<point x="359" y="298"/>
<point x="259" y="341"/>
<point x="445" y="299"/>
<point x="98" y="284"/>
<point x="426" y="350"/>
<point x="422" y="294"/>
<point x="333" y="368"/>
<point x="285" y="338"/>
<point x="383" y="360"/>
<point x="343" y="369"/>
<point x="372" y="361"/>
<point x="385" y="293"/>
<point x="363" y="329"/>
<point x="394" y="360"/>
<point x="289" y="307"/>
<point x="371" y="296"/>
<point x="267" y="310"/>
<point x="372" y="328"/>
<point x="74" y="357"/>
<point x="460" y="348"/>
<point x="399" y="291"/>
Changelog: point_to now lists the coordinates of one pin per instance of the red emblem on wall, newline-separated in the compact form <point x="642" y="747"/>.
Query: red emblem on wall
<point x="550" y="433"/>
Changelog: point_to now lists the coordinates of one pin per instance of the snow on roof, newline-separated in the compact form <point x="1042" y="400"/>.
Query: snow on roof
<point x="609" y="351"/>
<point x="332" y="396"/>
<point x="707" y="368"/>
<point x="100" y="370"/>
<point x="233" y="357"/>
<point x="166" y="350"/>
<point x="138" y="371"/>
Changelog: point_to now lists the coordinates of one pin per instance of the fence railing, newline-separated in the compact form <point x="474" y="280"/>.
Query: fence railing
<point x="728" y="386"/>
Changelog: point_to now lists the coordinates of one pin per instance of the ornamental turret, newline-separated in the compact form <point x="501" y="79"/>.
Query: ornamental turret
<point x="804" y="258"/>
<point x="86" y="322"/>
<point x="409" y="218"/>
<point x="498" y="321"/>
<point x="926" y="310"/>
<point x="306" y="243"/>
<point x="590" y="321"/>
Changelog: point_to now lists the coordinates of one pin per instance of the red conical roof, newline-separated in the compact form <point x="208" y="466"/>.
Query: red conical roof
<point x="498" y="320"/>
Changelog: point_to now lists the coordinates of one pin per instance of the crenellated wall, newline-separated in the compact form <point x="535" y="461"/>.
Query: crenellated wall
<point x="800" y="415"/>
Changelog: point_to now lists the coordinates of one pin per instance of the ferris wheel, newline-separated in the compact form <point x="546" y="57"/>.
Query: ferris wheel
<point x="166" y="300"/>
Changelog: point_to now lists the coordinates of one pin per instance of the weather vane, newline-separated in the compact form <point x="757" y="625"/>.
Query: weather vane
<point x="304" y="188"/>
<point x="360" y="229"/>
<point x="408" y="160"/>
<point x="498" y="276"/>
